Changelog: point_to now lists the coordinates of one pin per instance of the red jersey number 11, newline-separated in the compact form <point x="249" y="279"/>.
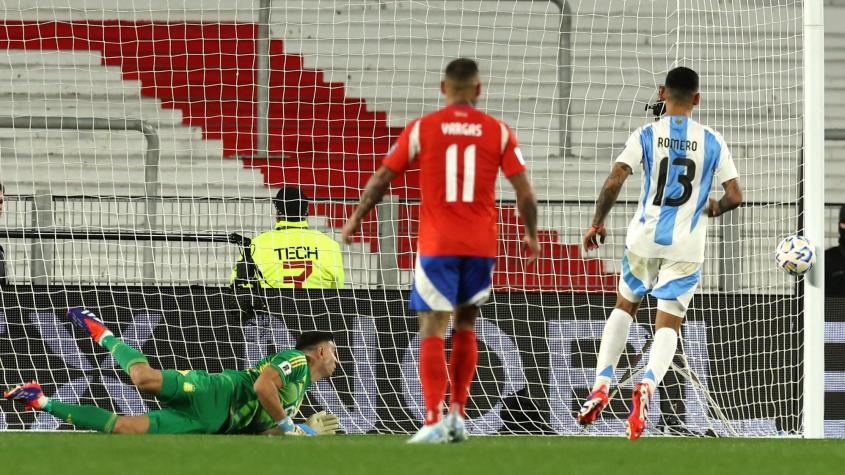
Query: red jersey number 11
<point x="468" y="188"/>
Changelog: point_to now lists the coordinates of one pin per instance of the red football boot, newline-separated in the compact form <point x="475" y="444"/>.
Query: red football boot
<point x="595" y="403"/>
<point x="29" y="394"/>
<point x="635" y="425"/>
<point x="86" y="320"/>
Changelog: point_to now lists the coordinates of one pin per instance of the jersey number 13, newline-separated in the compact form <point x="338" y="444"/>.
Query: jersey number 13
<point x="684" y="179"/>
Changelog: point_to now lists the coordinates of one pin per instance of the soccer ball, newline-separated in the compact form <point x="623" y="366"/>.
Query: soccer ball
<point x="795" y="255"/>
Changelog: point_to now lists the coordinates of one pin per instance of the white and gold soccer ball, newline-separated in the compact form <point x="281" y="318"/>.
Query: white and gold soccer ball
<point x="795" y="255"/>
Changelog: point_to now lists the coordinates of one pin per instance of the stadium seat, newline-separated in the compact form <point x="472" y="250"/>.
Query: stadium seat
<point x="336" y="107"/>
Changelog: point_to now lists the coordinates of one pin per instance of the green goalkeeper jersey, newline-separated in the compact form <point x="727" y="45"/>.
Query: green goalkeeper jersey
<point x="245" y="412"/>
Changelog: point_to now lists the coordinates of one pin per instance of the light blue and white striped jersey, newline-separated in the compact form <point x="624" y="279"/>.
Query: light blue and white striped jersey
<point x="680" y="159"/>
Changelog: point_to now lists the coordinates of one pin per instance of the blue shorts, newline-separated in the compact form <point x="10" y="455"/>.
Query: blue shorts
<point x="443" y="282"/>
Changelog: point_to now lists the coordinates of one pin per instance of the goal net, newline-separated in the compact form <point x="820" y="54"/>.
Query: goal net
<point x="204" y="109"/>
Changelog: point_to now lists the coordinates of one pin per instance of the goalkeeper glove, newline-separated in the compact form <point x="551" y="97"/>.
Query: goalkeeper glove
<point x="307" y="431"/>
<point x="323" y="423"/>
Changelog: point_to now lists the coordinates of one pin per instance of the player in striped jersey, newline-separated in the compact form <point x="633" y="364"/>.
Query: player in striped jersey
<point x="664" y="248"/>
<point x="258" y="400"/>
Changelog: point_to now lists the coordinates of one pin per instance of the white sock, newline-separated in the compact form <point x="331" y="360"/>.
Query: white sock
<point x="660" y="356"/>
<point x="613" y="340"/>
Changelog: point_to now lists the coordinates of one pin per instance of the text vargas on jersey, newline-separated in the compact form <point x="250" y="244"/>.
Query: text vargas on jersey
<point x="461" y="128"/>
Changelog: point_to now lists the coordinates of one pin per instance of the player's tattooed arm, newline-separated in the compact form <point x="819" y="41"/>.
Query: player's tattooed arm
<point x="729" y="201"/>
<point x="373" y="193"/>
<point x="528" y="212"/>
<point x="610" y="192"/>
<point x="596" y="235"/>
<point x="526" y="202"/>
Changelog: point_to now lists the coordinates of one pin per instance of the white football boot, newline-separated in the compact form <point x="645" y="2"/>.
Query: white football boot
<point x="455" y="427"/>
<point x="431" y="434"/>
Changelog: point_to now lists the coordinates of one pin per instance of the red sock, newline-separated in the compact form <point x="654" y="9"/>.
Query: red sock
<point x="433" y="376"/>
<point x="462" y="368"/>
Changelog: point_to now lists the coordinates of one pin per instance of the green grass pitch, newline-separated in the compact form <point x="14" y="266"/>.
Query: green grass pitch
<point x="84" y="453"/>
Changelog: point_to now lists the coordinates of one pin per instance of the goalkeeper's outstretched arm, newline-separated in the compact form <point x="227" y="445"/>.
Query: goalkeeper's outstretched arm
<point x="267" y="388"/>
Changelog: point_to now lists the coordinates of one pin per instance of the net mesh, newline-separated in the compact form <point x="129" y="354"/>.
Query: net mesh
<point x="572" y="80"/>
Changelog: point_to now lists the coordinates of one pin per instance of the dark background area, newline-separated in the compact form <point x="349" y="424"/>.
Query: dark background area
<point x="753" y="344"/>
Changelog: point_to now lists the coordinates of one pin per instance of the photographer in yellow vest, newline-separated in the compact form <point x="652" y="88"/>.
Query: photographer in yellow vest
<point x="291" y="255"/>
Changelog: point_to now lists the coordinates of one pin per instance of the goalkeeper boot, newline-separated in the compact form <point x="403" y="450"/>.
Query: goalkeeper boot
<point x="431" y="434"/>
<point x="86" y="320"/>
<point x="635" y="425"/>
<point x="30" y="394"/>
<point x="455" y="427"/>
<point x="595" y="403"/>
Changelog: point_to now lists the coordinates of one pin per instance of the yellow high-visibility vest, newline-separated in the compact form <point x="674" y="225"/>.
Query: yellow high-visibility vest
<point x="293" y="256"/>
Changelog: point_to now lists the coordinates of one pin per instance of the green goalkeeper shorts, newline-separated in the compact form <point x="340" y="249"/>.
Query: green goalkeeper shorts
<point x="193" y="402"/>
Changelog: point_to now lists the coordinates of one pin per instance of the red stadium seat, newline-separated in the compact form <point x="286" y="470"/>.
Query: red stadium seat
<point x="320" y="139"/>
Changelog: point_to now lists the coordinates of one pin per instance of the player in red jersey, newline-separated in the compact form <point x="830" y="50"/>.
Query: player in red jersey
<point x="459" y="150"/>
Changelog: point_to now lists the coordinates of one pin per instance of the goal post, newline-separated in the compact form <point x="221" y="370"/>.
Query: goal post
<point x="814" y="208"/>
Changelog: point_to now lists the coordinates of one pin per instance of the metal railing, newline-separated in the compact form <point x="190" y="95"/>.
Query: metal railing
<point x="262" y="77"/>
<point x="97" y="240"/>
<point x="42" y="215"/>
<point x="564" y="72"/>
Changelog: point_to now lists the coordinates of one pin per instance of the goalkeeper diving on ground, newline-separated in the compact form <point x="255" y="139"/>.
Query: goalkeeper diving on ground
<point x="259" y="400"/>
<point x="664" y="247"/>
